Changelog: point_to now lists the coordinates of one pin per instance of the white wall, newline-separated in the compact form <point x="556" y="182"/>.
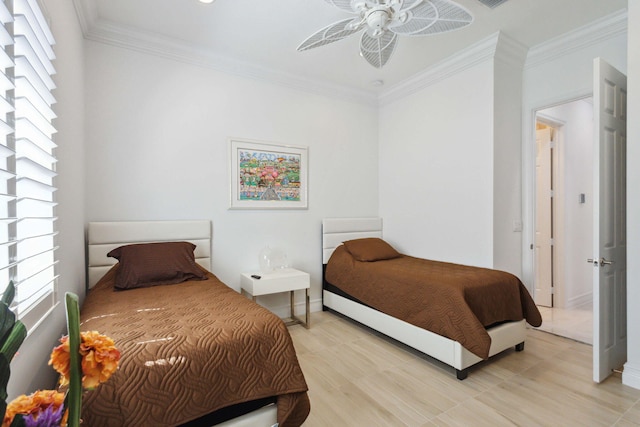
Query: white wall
<point x="631" y="374"/>
<point x="435" y="162"/>
<point x="157" y="148"/>
<point x="559" y="79"/>
<point x="576" y="145"/>
<point x="507" y="130"/>
<point x="449" y="186"/>
<point x="29" y="370"/>
<point x="436" y="169"/>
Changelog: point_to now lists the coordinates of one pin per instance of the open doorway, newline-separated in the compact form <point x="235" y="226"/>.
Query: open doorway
<point x="563" y="283"/>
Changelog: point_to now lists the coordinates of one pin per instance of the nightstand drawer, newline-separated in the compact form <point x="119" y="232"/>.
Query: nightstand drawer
<point x="287" y="279"/>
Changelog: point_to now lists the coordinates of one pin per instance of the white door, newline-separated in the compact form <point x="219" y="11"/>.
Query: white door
<point x="609" y="219"/>
<point x="543" y="240"/>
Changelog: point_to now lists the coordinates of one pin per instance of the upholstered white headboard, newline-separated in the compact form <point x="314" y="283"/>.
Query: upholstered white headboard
<point x="338" y="230"/>
<point x="102" y="237"/>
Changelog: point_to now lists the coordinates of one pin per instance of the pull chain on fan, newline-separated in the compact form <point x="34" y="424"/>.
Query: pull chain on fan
<point x="383" y="20"/>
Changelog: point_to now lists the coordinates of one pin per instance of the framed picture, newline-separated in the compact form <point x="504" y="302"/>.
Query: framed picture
<point x="268" y="176"/>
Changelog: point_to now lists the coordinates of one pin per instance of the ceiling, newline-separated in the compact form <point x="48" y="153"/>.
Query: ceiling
<point x="259" y="37"/>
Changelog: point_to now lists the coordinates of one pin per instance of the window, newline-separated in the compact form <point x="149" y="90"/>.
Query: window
<point x="27" y="160"/>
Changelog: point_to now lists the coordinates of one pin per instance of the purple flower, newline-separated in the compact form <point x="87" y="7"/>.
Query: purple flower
<point x="50" y="417"/>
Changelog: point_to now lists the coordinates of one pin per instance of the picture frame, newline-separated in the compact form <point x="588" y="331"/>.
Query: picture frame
<point x="267" y="175"/>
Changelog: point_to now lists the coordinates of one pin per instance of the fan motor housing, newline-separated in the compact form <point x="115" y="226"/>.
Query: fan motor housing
<point x="378" y="18"/>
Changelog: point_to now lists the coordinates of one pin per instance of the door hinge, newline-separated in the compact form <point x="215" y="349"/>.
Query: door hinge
<point x="552" y="144"/>
<point x="551" y="193"/>
<point x="553" y="290"/>
<point x="551" y="242"/>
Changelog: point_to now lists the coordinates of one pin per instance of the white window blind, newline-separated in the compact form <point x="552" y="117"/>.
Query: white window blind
<point x="27" y="160"/>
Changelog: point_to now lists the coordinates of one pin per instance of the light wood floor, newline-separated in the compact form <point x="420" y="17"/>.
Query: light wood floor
<point x="358" y="378"/>
<point x="576" y="323"/>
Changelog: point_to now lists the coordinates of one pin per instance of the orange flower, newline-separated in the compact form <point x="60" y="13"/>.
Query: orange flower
<point x="99" y="356"/>
<point x="33" y="405"/>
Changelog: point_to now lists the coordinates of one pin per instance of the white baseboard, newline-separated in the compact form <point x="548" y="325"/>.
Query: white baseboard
<point x="585" y="300"/>
<point x="631" y="375"/>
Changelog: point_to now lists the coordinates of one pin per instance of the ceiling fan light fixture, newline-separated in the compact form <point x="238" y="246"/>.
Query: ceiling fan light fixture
<point x="382" y="21"/>
<point x="206" y="1"/>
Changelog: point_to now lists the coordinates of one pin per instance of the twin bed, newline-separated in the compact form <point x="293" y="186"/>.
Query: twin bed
<point x="457" y="314"/>
<point x="193" y="353"/>
<point x="198" y="353"/>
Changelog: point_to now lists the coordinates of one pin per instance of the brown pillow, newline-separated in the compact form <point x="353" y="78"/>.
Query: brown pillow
<point x="151" y="264"/>
<point x="370" y="249"/>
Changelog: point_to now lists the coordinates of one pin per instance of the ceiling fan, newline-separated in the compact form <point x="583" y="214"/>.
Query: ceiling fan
<point x="383" y="20"/>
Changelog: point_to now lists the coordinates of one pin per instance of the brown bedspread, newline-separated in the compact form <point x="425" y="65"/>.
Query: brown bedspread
<point x="452" y="300"/>
<point x="188" y="350"/>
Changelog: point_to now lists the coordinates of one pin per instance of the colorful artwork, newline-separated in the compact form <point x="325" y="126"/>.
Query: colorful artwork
<point x="268" y="176"/>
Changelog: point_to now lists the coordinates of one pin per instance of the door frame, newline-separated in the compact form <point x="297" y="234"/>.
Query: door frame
<point x="529" y="182"/>
<point x="557" y="167"/>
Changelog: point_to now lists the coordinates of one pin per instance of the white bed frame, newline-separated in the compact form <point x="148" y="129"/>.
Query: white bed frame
<point x="337" y="230"/>
<point x="102" y="237"/>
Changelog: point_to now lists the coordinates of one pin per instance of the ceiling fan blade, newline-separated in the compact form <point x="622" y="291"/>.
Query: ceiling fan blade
<point x="432" y="17"/>
<point x="408" y="4"/>
<point x="341" y="4"/>
<point x="332" y="33"/>
<point x="378" y="50"/>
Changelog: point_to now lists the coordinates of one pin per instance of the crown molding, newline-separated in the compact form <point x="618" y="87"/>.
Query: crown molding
<point x="469" y="57"/>
<point x="151" y="43"/>
<point x="498" y="47"/>
<point x="87" y="13"/>
<point x="510" y="52"/>
<point x="598" y="31"/>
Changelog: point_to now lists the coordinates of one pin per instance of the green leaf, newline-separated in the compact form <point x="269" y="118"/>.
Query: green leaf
<point x="9" y="293"/>
<point x="18" y="421"/>
<point x="7" y="320"/>
<point x="13" y="342"/>
<point x="3" y="407"/>
<point x="5" y="372"/>
<point x="74" y="396"/>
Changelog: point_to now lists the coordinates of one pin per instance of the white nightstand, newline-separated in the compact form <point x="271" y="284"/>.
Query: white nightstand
<point x="282" y="280"/>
